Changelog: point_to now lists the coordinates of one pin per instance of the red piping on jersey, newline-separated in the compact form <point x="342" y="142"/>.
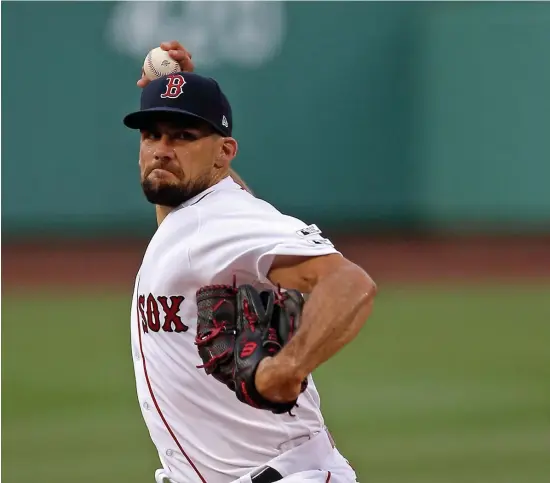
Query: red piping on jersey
<point x="169" y="429"/>
<point x="329" y="474"/>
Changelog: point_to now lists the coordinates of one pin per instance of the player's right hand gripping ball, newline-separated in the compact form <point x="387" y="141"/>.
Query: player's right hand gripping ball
<point x="266" y="321"/>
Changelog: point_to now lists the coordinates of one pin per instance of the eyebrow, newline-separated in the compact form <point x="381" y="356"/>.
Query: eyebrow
<point x="202" y="131"/>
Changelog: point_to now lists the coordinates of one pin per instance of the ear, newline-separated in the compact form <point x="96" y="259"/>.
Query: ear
<point x="227" y="151"/>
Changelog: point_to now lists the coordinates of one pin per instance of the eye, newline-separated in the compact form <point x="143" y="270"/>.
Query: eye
<point x="186" y="136"/>
<point x="150" y="135"/>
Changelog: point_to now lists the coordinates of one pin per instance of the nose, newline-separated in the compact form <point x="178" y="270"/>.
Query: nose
<point x="163" y="150"/>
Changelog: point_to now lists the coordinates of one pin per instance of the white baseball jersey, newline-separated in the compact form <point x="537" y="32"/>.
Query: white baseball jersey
<point x="201" y="431"/>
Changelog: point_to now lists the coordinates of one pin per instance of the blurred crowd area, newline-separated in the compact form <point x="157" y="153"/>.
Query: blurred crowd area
<point x="356" y="116"/>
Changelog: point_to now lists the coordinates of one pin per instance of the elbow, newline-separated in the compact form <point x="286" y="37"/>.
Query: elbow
<point x="372" y="288"/>
<point x="358" y="286"/>
<point x="365" y="285"/>
<point x="367" y="292"/>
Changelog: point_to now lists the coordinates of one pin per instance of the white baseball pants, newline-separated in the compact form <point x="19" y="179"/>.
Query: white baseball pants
<point x="315" y="461"/>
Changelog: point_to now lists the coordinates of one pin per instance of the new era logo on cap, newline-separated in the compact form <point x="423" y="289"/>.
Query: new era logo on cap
<point x="224" y="121"/>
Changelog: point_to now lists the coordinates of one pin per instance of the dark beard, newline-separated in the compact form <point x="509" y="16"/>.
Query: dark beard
<point x="172" y="195"/>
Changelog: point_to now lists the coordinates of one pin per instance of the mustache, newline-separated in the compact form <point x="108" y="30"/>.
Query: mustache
<point x="166" y="166"/>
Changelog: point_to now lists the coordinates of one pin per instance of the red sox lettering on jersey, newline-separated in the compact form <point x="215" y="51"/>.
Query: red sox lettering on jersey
<point x="202" y="432"/>
<point x="150" y="308"/>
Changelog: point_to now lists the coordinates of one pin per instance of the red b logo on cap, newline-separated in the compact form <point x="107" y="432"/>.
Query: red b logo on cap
<point x="174" y="87"/>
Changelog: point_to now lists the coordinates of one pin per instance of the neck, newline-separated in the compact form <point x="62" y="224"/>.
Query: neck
<point x="163" y="211"/>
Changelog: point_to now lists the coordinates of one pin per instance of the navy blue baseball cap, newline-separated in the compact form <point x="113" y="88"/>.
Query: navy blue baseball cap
<point x="183" y="95"/>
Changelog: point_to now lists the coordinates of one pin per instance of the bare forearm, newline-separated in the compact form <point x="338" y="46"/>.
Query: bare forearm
<point x="333" y="316"/>
<point x="340" y="301"/>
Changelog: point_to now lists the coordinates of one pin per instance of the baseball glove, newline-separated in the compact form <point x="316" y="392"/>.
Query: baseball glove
<point x="237" y="327"/>
<point x="266" y="322"/>
<point x="216" y="331"/>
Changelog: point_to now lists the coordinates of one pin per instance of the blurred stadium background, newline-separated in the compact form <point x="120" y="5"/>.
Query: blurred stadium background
<point x="414" y="134"/>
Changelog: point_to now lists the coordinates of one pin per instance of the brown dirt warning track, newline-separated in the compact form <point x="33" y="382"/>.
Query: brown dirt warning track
<point x="112" y="264"/>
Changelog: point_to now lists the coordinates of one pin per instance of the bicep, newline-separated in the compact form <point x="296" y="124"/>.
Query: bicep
<point x="303" y="272"/>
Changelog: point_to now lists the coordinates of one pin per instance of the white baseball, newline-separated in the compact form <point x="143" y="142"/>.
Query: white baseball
<point x="159" y="63"/>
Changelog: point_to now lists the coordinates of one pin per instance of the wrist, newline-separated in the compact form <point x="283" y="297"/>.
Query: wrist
<point x="289" y="366"/>
<point x="277" y="380"/>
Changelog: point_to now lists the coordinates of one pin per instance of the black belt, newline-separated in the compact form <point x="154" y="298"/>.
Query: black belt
<point x="266" y="475"/>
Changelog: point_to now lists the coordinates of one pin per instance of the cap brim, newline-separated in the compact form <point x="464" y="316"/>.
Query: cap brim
<point x="143" y="119"/>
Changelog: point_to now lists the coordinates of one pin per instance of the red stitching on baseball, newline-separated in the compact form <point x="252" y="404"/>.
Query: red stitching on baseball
<point x="157" y="73"/>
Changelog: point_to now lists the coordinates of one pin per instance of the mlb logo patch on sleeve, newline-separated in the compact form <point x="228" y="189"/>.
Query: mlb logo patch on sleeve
<point x="320" y="241"/>
<point x="309" y="230"/>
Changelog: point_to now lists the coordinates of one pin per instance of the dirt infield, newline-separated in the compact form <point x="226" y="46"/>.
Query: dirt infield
<point x="113" y="264"/>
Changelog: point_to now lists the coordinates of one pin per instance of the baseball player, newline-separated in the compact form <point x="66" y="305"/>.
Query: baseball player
<point x="222" y="340"/>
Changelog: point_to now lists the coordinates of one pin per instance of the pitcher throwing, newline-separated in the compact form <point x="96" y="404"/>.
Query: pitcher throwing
<point x="223" y="343"/>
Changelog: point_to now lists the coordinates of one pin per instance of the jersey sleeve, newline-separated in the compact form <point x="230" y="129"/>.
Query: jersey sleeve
<point x="238" y="242"/>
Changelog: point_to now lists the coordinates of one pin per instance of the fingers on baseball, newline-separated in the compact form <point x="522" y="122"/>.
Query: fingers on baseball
<point x="186" y="65"/>
<point x="143" y="81"/>
<point x="171" y="44"/>
<point x="180" y="54"/>
<point x="175" y="45"/>
<point x="183" y="59"/>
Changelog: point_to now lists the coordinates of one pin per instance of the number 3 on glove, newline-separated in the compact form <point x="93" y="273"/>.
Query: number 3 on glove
<point x="266" y="321"/>
<point x="237" y="327"/>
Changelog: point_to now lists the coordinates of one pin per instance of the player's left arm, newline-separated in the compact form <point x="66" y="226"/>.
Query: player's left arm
<point x="340" y="301"/>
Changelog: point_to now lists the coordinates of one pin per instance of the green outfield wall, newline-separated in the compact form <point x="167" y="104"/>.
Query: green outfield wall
<point x="347" y="113"/>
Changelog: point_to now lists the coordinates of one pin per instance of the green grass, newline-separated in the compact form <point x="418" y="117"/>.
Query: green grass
<point x="444" y="385"/>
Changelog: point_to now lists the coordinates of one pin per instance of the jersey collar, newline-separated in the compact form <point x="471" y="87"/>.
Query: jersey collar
<point x="226" y="183"/>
